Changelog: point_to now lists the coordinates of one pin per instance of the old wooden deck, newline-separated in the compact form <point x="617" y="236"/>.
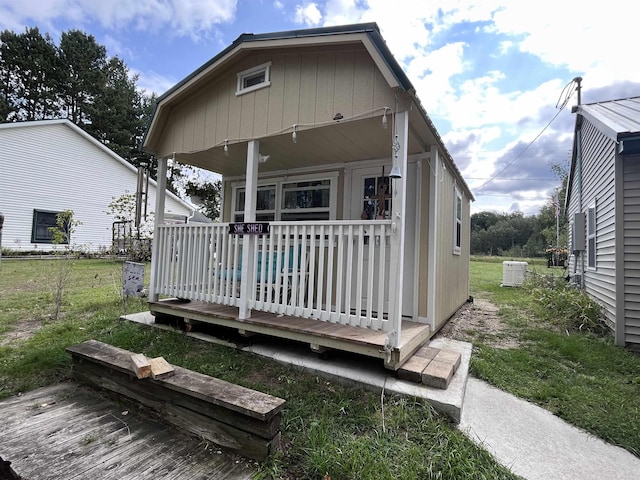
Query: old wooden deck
<point x="68" y="431"/>
<point x="317" y="334"/>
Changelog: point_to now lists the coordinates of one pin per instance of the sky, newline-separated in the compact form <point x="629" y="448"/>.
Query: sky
<point x="491" y="74"/>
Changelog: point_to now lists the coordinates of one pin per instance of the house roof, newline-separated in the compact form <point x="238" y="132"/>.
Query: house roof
<point x="615" y="118"/>
<point x="117" y="158"/>
<point x="619" y="120"/>
<point x="366" y="33"/>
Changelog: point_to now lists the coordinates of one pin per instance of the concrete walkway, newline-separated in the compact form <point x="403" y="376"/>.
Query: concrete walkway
<point x="535" y="444"/>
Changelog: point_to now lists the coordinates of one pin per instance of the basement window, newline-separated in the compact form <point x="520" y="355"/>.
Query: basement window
<point x="254" y="79"/>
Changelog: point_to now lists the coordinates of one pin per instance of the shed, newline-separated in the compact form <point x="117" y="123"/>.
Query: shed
<point x="346" y="223"/>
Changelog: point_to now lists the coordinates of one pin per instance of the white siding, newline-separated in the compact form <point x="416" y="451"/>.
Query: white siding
<point x="631" y="222"/>
<point x="51" y="166"/>
<point x="597" y="187"/>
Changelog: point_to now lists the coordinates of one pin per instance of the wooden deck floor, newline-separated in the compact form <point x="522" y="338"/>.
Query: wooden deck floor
<point x="317" y="333"/>
<point x="68" y="431"/>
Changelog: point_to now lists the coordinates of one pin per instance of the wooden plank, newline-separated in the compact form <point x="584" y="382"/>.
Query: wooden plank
<point x="413" y="368"/>
<point x="141" y="365"/>
<point x="201" y="422"/>
<point x="449" y="356"/>
<point x="160" y="368"/>
<point x="213" y="390"/>
<point x="94" y="438"/>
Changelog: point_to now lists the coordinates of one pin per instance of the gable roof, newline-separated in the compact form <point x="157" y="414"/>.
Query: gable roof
<point x="367" y="34"/>
<point x="107" y="151"/>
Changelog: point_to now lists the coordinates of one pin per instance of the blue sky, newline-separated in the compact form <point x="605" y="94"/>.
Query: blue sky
<point x="488" y="72"/>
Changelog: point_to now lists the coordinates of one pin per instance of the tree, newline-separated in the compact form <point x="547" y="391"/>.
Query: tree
<point x="206" y="195"/>
<point x="30" y="76"/>
<point x="84" y="64"/>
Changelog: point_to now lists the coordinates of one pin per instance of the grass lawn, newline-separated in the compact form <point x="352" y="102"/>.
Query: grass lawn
<point x="583" y="378"/>
<point x="347" y="433"/>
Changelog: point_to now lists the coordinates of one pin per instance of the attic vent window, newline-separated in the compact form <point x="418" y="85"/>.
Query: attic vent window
<point x="254" y="78"/>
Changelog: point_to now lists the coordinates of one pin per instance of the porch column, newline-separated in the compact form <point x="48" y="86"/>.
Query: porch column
<point x="161" y="192"/>
<point x="249" y="241"/>
<point x="399" y="198"/>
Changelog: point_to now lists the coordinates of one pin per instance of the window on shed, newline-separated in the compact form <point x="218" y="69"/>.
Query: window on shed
<point x="254" y="78"/>
<point x="265" y="204"/>
<point x="457" y="223"/>
<point x="591" y="237"/>
<point x="43" y="221"/>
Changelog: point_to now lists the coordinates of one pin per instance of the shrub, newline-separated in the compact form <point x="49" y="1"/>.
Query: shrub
<point x="560" y="303"/>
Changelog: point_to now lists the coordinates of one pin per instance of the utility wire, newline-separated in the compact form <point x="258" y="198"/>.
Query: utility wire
<point x="567" y="92"/>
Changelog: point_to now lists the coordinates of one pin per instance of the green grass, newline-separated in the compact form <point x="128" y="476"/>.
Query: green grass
<point x="347" y="433"/>
<point x="583" y="378"/>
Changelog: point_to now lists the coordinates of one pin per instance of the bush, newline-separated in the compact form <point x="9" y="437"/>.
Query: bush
<point x="558" y="302"/>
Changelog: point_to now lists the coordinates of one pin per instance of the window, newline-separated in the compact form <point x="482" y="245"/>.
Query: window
<point x="591" y="237"/>
<point x="376" y="203"/>
<point x="254" y="78"/>
<point x="294" y="199"/>
<point x="457" y="223"/>
<point x="43" y="220"/>
<point x="265" y="204"/>
<point x="306" y="200"/>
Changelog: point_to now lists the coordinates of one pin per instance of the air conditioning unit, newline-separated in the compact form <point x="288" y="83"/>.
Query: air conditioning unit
<point x="513" y="273"/>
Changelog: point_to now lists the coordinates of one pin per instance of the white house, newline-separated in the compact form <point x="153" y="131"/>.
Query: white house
<point x="50" y="166"/>
<point x="603" y="207"/>
<point x="346" y="221"/>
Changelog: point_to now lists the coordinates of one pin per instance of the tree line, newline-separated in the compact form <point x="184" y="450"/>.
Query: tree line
<point x="76" y="79"/>
<point x="516" y="235"/>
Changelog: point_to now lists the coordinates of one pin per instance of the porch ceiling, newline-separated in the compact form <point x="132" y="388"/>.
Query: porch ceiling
<point x="338" y="143"/>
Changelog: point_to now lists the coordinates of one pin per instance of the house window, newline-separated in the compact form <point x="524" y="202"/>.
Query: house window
<point x="43" y="221"/>
<point x="376" y="202"/>
<point x="254" y="78"/>
<point x="295" y="199"/>
<point x="457" y="223"/>
<point x="591" y="237"/>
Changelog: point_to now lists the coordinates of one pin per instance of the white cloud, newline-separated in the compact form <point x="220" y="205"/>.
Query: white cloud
<point x="178" y="17"/>
<point x="308" y="15"/>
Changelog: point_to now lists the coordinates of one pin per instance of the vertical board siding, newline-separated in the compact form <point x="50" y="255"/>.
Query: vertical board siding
<point x="452" y="277"/>
<point x="598" y="186"/>
<point x="306" y="88"/>
<point x="631" y="221"/>
<point x="53" y="167"/>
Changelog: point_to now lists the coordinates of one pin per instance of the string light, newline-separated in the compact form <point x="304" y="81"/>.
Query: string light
<point x="384" y="119"/>
<point x="294" y="134"/>
<point x="226" y="147"/>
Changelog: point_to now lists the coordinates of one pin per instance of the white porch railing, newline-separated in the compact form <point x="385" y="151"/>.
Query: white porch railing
<point x="333" y="271"/>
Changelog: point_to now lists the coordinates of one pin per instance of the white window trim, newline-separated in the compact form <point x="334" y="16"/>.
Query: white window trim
<point x="457" y="222"/>
<point x="265" y="67"/>
<point x="278" y="183"/>
<point x="592" y="236"/>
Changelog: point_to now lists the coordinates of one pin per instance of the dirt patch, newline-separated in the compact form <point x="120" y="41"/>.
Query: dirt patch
<point x="20" y="331"/>
<point x="479" y="322"/>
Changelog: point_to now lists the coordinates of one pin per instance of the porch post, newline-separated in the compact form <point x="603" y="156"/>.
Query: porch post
<point x="161" y="192"/>
<point x="399" y="198"/>
<point x="248" y="241"/>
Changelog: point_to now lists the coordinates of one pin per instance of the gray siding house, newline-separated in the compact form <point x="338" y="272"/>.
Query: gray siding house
<point x="49" y="166"/>
<point x="603" y="207"/>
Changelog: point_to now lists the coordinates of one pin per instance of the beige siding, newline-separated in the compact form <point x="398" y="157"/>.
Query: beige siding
<point x="598" y="187"/>
<point x="631" y="222"/>
<point x="452" y="272"/>
<point x="306" y="88"/>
